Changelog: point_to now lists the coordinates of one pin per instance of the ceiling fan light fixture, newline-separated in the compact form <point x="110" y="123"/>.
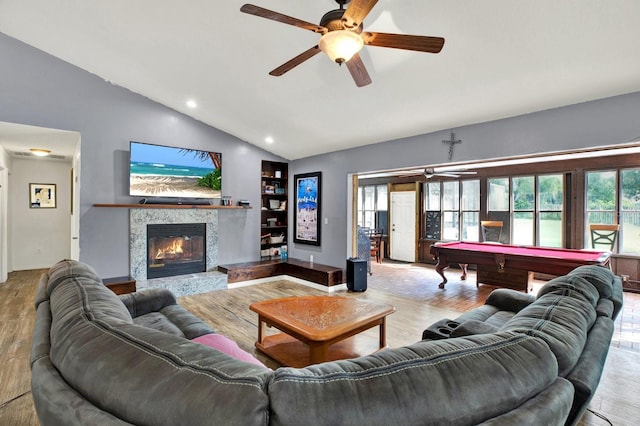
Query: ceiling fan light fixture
<point x="340" y="45"/>
<point x="40" y="152"/>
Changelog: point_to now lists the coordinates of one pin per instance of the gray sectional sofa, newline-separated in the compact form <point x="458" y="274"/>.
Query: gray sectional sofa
<point x="102" y="359"/>
<point x="572" y="314"/>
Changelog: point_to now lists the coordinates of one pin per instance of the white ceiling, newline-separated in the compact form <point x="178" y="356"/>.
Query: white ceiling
<point x="501" y="58"/>
<point x="18" y="139"/>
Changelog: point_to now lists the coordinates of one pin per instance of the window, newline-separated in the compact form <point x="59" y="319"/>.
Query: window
<point x="372" y="207"/>
<point x="535" y="214"/>
<point x="452" y="210"/>
<point x="550" y="208"/>
<point x="470" y="210"/>
<point x="629" y="236"/>
<point x="523" y="210"/>
<point x="433" y="215"/>
<point x="611" y="195"/>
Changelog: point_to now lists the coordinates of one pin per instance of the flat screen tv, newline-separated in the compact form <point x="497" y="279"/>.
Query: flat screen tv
<point x="170" y="172"/>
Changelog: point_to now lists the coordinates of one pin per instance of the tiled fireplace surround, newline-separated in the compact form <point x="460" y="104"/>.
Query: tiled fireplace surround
<point x="182" y="285"/>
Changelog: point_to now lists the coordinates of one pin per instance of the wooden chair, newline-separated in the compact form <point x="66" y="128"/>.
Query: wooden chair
<point x="604" y="235"/>
<point x="491" y="230"/>
<point x="376" y="245"/>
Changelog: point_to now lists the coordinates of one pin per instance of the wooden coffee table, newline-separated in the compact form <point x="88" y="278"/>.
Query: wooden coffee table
<point x="319" y="328"/>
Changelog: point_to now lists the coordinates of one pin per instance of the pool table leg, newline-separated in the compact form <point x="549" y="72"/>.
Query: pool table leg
<point x="440" y="267"/>
<point x="463" y="266"/>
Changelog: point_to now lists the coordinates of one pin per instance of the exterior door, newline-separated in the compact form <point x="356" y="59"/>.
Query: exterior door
<point x="403" y="226"/>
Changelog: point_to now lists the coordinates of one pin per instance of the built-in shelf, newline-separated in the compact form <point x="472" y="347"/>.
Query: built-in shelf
<point x="170" y="206"/>
<point x="273" y="210"/>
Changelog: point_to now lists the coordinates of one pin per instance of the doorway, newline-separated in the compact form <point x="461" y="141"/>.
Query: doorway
<point x="402" y="235"/>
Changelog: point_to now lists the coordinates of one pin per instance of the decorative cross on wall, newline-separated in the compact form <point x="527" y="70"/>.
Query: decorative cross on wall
<point x="452" y="143"/>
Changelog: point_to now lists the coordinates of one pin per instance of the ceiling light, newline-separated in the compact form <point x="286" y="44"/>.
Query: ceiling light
<point x="268" y="140"/>
<point x="191" y="103"/>
<point x="340" y="45"/>
<point x="40" y="152"/>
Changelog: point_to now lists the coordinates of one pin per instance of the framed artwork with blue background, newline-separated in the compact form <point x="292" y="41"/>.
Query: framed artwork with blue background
<point x="308" y="187"/>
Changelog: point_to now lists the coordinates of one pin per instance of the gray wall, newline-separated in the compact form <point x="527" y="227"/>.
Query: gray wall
<point x="608" y="121"/>
<point x="38" y="238"/>
<point x="40" y="90"/>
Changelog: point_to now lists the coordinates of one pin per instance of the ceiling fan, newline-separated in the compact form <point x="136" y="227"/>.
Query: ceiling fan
<point x="343" y="37"/>
<point x="430" y="172"/>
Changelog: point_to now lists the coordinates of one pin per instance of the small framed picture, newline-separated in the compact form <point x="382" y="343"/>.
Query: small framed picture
<point x="278" y="174"/>
<point x="42" y="195"/>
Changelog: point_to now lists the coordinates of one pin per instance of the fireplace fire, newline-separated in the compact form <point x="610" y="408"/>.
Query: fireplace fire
<point x="175" y="249"/>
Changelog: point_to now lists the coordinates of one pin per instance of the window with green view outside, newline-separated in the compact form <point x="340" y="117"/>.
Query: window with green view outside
<point x="613" y="196"/>
<point x="533" y="204"/>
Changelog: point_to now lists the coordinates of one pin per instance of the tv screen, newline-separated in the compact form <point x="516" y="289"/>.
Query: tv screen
<point x="166" y="171"/>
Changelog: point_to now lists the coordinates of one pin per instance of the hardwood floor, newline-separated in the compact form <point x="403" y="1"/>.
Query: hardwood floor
<point x="17" y="317"/>
<point x="411" y="288"/>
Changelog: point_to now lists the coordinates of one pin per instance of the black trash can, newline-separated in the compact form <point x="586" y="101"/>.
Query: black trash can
<point x="356" y="274"/>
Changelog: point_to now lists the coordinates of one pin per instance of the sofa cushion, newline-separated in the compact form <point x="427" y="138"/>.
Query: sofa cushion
<point x="605" y="308"/>
<point x="488" y="314"/>
<point x="571" y="286"/>
<point x="225" y="345"/>
<point x="473" y="327"/>
<point x="428" y="382"/>
<point x="158" y="321"/>
<point x="562" y="322"/>
<point x="600" y="277"/>
<point x="174" y="380"/>
<point x="78" y="296"/>
<point x="506" y="299"/>
<point x="586" y="374"/>
<point x="69" y="269"/>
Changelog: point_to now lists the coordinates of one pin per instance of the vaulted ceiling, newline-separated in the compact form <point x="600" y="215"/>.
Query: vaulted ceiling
<point x="501" y="58"/>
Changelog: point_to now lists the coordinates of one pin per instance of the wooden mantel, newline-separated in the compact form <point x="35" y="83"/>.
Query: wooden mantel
<point x="170" y="206"/>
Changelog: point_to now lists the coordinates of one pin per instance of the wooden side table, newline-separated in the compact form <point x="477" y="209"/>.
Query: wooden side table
<point x="120" y="285"/>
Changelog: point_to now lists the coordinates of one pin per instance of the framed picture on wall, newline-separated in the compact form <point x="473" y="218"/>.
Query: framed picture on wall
<point x="42" y="195"/>
<point x="308" y="194"/>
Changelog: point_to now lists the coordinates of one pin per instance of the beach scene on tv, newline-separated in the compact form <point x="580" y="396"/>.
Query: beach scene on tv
<point x="164" y="171"/>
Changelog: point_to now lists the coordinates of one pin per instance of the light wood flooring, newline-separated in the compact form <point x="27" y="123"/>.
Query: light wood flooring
<point x="411" y="288"/>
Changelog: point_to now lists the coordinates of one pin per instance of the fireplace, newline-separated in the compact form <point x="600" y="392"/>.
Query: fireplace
<point x="176" y="249"/>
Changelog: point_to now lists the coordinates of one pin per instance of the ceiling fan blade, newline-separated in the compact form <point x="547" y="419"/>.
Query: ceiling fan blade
<point x="289" y="65"/>
<point x="279" y="17"/>
<point x="357" y="11"/>
<point x="404" y="41"/>
<point x="446" y="174"/>
<point x="358" y="71"/>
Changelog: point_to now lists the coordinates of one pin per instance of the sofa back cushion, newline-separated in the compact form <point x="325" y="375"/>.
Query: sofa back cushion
<point x="75" y="289"/>
<point x="601" y="278"/>
<point x="458" y="381"/>
<point x="571" y="286"/>
<point x="68" y="269"/>
<point x="562" y="321"/>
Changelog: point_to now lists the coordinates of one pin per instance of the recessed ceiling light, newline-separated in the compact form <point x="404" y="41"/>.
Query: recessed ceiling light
<point x="268" y="140"/>
<point x="40" y="152"/>
<point x="191" y="103"/>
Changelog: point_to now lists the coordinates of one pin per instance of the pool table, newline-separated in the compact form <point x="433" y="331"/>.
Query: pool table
<point x="552" y="261"/>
